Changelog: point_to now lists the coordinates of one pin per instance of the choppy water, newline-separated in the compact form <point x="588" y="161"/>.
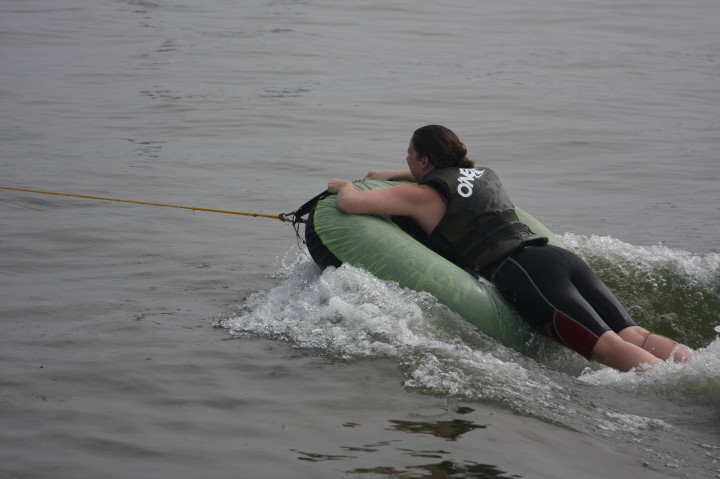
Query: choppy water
<point x="150" y="342"/>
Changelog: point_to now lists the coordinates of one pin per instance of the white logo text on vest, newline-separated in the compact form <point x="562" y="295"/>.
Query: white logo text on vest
<point x="465" y="185"/>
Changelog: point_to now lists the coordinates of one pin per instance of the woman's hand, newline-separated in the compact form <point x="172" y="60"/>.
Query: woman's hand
<point x="334" y="186"/>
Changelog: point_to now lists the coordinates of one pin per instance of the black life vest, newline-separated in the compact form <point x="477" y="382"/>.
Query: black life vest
<point x="480" y="226"/>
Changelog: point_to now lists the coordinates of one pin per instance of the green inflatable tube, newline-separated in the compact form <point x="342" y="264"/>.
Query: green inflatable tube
<point x="381" y="247"/>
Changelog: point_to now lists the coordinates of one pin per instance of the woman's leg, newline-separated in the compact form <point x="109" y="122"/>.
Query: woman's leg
<point x="538" y="282"/>
<point x="615" y="315"/>
<point x="556" y="291"/>
<point x="612" y="350"/>
<point x="660" y="346"/>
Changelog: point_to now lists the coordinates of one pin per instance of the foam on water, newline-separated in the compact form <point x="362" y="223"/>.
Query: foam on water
<point x="348" y="314"/>
<point x="698" y="379"/>
<point x="703" y="268"/>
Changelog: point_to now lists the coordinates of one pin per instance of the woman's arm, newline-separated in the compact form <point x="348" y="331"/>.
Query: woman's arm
<point x="420" y="202"/>
<point x="396" y="175"/>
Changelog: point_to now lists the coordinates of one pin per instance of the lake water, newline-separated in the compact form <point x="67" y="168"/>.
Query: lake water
<point x="142" y="341"/>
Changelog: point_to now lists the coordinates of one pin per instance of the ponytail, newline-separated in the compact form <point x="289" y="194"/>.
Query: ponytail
<point x="442" y="147"/>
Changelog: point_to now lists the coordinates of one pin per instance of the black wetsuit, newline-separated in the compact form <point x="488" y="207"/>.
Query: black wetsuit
<point x="552" y="288"/>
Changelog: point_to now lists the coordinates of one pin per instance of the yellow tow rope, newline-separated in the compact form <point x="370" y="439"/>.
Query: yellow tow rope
<point x="281" y="216"/>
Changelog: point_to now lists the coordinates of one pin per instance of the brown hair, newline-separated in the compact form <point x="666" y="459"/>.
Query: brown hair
<point x="442" y="147"/>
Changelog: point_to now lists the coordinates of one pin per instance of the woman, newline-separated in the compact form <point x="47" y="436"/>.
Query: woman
<point x="467" y="217"/>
